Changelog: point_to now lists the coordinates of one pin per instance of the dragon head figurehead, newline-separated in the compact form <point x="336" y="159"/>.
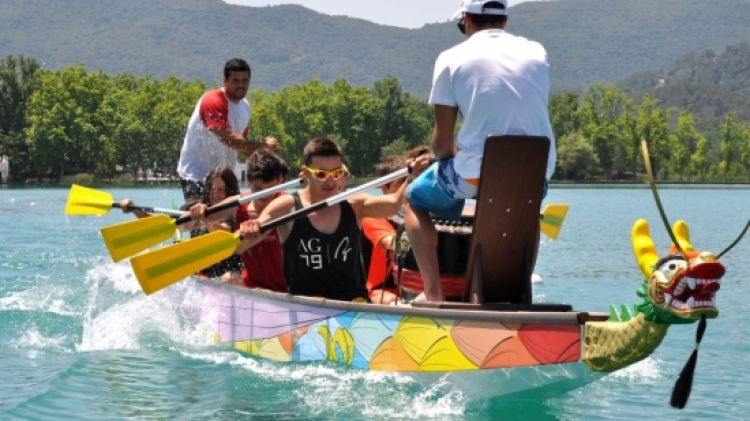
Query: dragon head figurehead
<point x="678" y="288"/>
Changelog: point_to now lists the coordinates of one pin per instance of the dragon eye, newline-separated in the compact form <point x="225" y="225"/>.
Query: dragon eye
<point x="672" y="266"/>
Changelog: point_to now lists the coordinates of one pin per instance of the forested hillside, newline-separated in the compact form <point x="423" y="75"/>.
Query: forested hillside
<point x="708" y="83"/>
<point x="588" y="40"/>
<point x="59" y="123"/>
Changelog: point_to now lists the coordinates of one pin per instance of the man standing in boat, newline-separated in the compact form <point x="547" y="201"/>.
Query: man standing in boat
<point x="499" y="83"/>
<point x="217" y="130"/>
<point x="322" y="251"/>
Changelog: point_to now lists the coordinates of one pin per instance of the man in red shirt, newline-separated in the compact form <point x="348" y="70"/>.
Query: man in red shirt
<point x="217" y="130"/>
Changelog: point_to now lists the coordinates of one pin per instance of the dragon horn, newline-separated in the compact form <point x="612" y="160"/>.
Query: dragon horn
<point x="682" y="233"/>
<point x="643" y="247"/>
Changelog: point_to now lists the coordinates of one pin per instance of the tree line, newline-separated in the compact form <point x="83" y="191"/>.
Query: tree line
<point x="54" y="123"/>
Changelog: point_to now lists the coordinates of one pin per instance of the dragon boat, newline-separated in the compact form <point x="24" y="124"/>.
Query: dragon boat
<point x="494" y="341"/>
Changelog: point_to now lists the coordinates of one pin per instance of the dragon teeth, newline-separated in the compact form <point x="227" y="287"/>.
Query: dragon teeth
<point x="680" y="287"/>
<point x="667" y="298"/>
<point x="691" y="283"/>
<point x="691" y="302"/>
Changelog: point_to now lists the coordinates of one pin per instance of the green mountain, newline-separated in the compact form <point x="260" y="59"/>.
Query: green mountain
<point x="587" y="40"/>
<point x="709" y="84"/>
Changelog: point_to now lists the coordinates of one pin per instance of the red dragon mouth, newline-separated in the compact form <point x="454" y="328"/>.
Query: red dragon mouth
<point x="694" y="289"/>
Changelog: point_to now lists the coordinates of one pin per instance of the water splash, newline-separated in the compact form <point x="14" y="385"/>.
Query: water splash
<point x="326" y="390"/>
<point x="35" y="340"/>
<point x="118" y="316"/>
<point x="40" y="298"/>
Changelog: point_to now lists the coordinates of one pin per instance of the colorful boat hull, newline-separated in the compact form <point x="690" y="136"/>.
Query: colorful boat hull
<point x="509" y="351"/>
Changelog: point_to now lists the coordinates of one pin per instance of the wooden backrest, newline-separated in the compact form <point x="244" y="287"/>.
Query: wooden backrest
<point x="506" y="224"/>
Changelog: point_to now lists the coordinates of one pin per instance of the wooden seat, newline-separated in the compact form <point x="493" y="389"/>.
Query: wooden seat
<point x="506" y="224"/>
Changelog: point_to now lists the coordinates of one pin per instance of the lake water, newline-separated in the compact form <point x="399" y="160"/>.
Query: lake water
<point x="79" y="340"/>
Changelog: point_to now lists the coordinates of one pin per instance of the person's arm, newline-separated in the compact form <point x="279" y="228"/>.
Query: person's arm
<point x="250" y="229"/>
<point x="198" y="214"/>
<point x="366" y="206"/>
<point x="125" y="205"/>
<point x="236" y="141"/>
<point x="215" y="113"/>
<point x="443" y="141"/>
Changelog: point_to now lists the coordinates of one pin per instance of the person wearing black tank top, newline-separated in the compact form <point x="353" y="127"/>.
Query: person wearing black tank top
<point x="322" y="251"/>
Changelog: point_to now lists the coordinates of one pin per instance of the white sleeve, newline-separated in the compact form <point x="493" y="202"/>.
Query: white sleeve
<point x="442" y="83"/>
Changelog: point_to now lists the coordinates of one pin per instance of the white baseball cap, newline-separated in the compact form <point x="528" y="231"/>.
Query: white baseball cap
<point x="476" y="7"/>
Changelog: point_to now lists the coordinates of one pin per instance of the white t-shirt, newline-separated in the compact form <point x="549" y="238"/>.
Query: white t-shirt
<point x="500" y="84"/>
<point x="202" y="150"/>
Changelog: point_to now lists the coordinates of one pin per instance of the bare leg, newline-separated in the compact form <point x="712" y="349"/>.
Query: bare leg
<point x="423" y="238"/>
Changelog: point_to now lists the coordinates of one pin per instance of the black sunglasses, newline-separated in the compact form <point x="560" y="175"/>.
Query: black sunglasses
<point x="461" y="25"/>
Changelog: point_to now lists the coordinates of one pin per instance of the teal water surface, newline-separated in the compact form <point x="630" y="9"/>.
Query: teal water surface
<point x="79" y="340"/>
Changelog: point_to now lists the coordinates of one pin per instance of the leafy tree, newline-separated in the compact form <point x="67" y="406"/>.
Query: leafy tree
<point x="700" y="163"/>
<point x="732" y="147"/>
<point x="65" y="127"/>
<point x="18" y="80"/>
<point x="651" y="125"/>
<point x="604" y="124"/>
<point x="564" y="113"/>
<point x="576" y="158"/>
<point x="683" y="144"/>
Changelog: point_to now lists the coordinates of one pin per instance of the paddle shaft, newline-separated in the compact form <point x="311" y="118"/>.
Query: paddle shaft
<point x="335" y="199"/>
<point x="147" y="209"/>
<point x="249" y="198"/>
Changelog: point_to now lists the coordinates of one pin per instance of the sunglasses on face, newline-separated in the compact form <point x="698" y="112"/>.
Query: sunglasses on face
<point x="335" y="173"/>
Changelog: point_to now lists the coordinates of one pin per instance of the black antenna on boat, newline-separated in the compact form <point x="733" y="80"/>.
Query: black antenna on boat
<point x="734" y="243"/>
<point x="684" y="383"/>
<point x="652" y="183"/>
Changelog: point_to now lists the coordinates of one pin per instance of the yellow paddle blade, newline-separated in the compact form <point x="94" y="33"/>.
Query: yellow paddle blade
<point x="86" y="201"/>
<point x="128" y="238"/>
<point x="552" y="219"/>
<point x="161" y="268"/>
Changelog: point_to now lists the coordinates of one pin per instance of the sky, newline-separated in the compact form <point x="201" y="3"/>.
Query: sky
<point x="403" y="13"/>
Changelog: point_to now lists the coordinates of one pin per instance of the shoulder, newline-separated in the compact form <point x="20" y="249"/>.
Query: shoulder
<point x="447" y="57"/>
<point x="213" y="99"/>
<point x="284" y="200"/>
<point x="213" y="95"/>
<point x="527" y="46"/>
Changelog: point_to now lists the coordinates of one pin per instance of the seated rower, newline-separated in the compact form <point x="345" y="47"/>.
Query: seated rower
<point x="380" y="233"/>
<point x="322" y="251"/>
<point x="219" y="183"/>
<point x="263" y="264"/>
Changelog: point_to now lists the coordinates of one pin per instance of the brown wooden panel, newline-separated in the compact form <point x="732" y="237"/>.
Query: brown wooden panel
<point x="506" y="224"/>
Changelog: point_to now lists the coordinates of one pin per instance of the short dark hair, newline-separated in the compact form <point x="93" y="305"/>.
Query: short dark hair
<point x="263" y="164"/>
<point x="231" y="185"/>
<point x="321" y="146"/>
<point x="236" y="65"/>
<point x="391" y="164"/>
<point x="489" y="20"/>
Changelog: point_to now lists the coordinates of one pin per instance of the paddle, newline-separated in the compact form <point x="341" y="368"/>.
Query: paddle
<point x="551" y="219"/>
<point x="128" y="238"/>
<point x="86" y="201"/>
<point x="159" y="269"/>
